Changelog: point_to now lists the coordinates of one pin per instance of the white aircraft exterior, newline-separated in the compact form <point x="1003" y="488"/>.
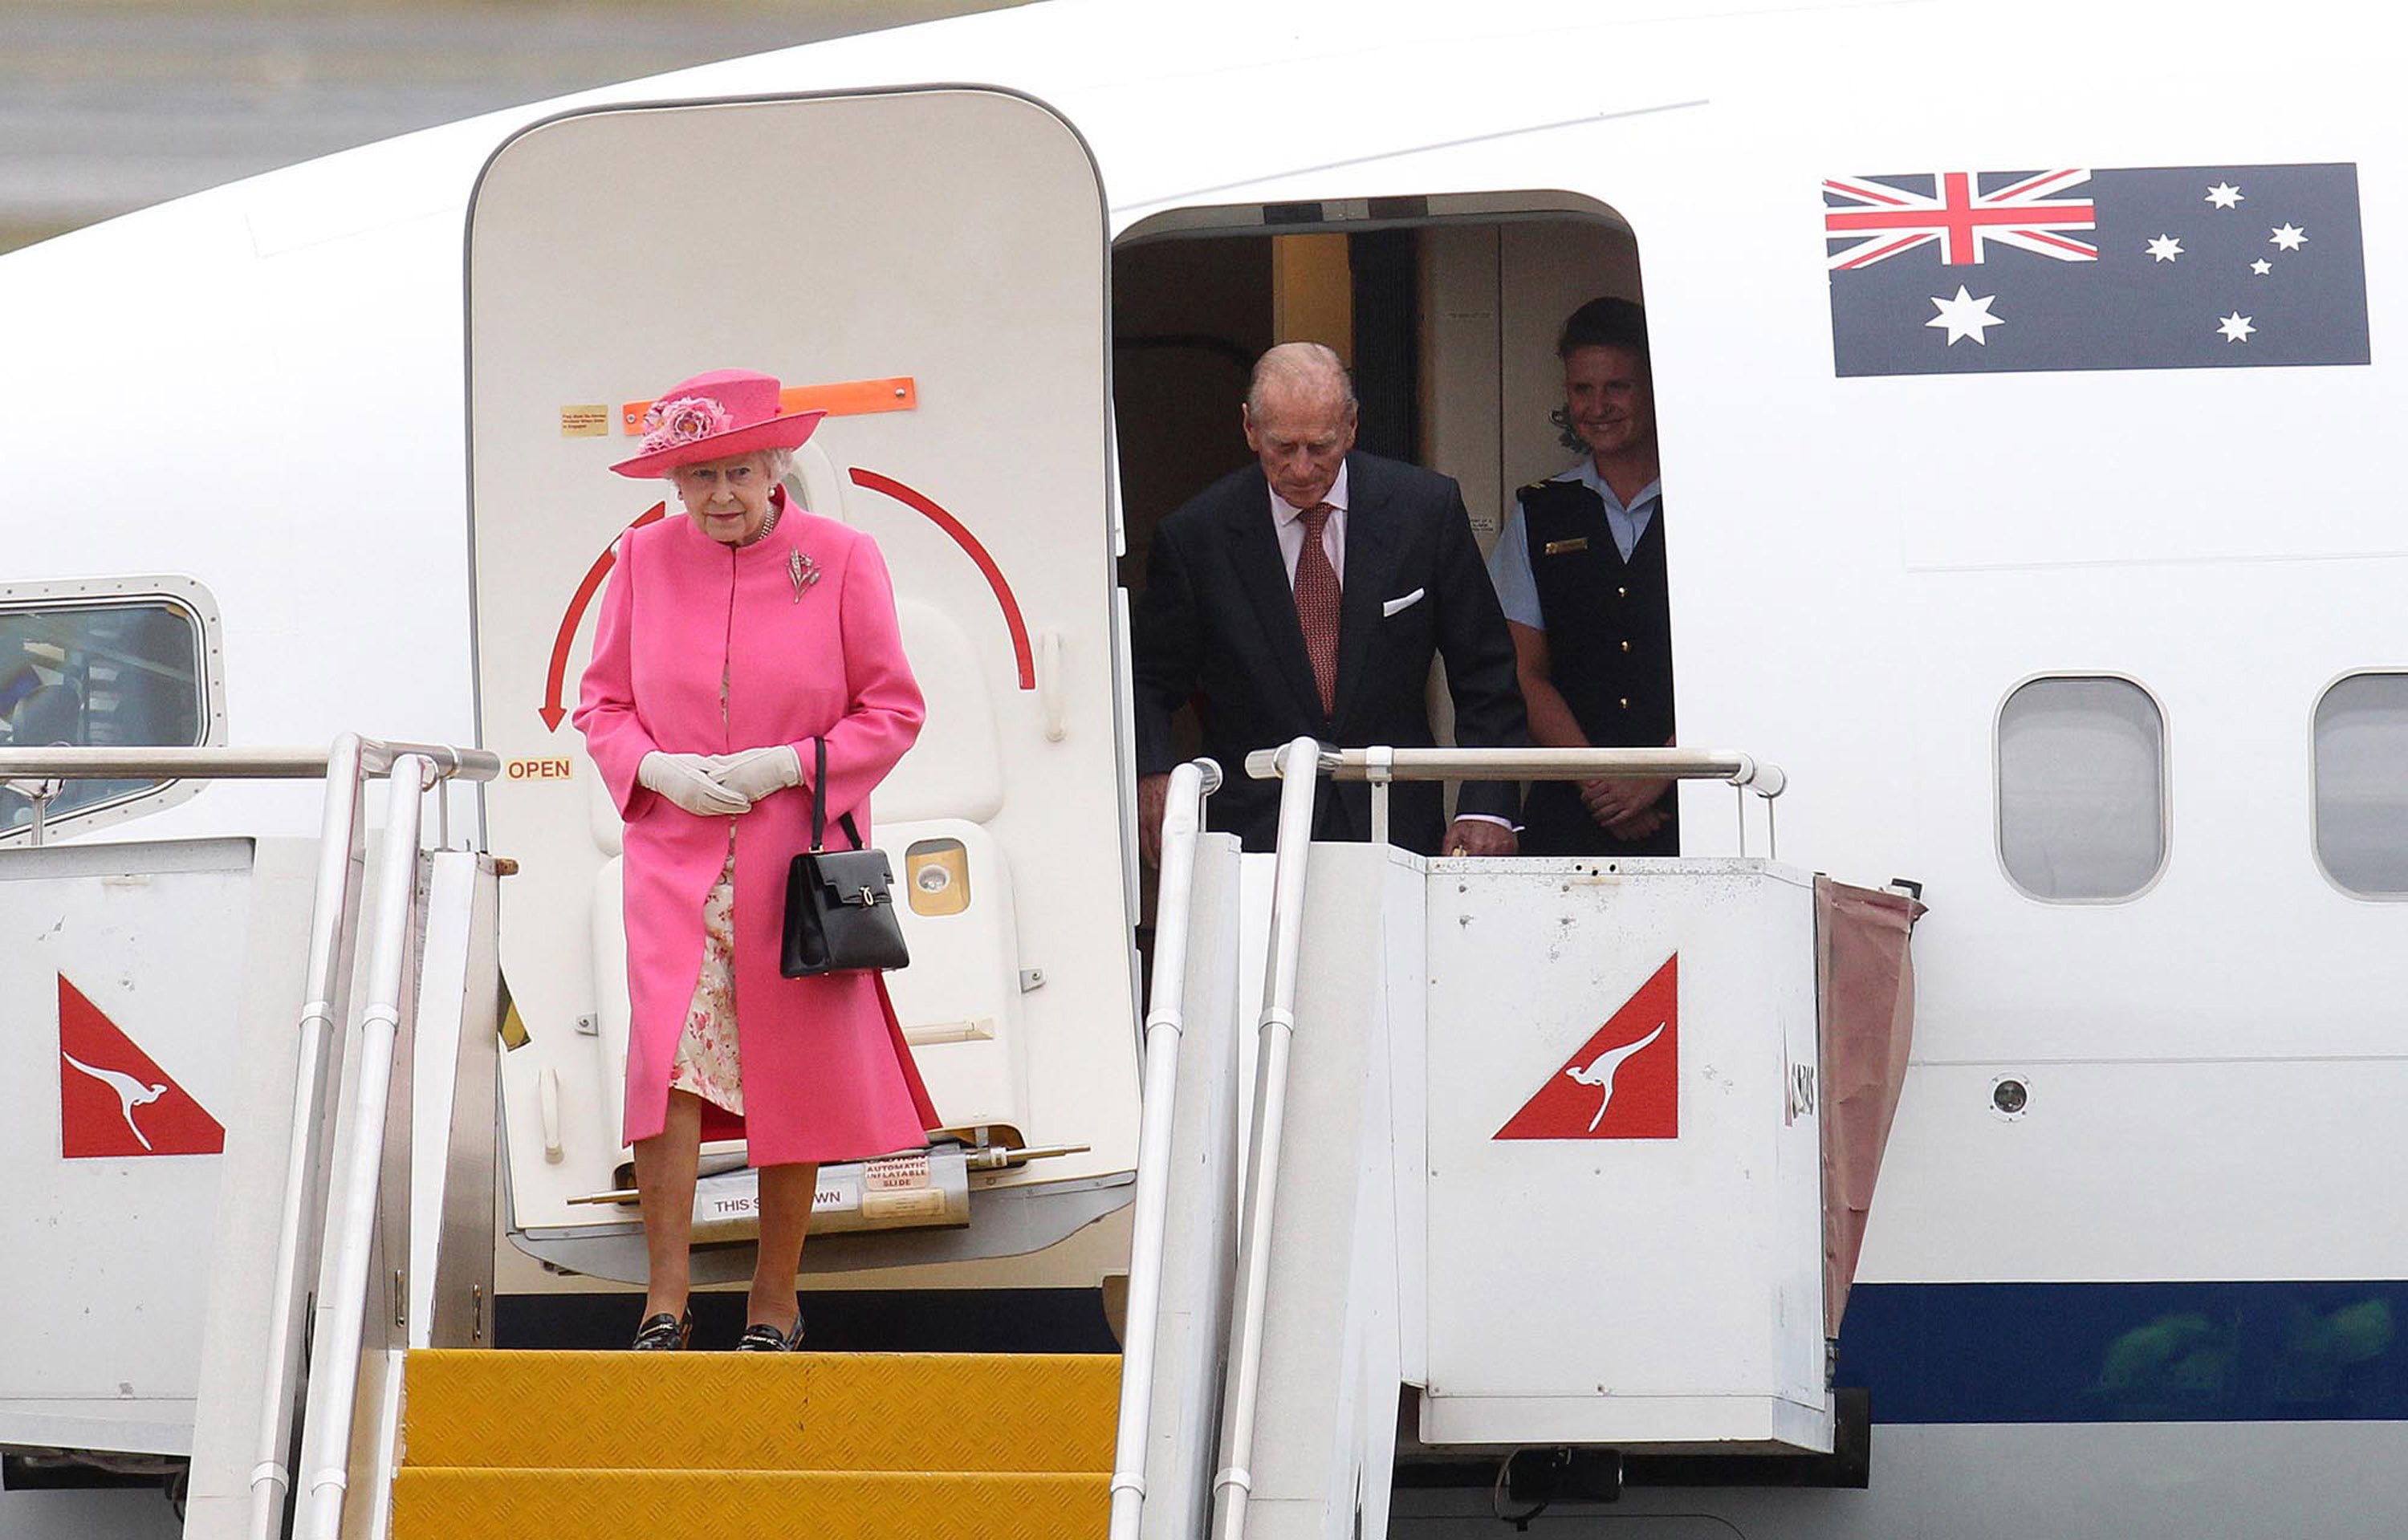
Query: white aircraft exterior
<point x="2137" y="1263"/>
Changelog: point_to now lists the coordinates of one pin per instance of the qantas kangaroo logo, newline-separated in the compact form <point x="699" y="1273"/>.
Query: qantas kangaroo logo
<point x="1631" y="1067"/>
<point x="1599" y="1071"/>
<point x="113" y="1099"/>
<point x="131" y="1092"/>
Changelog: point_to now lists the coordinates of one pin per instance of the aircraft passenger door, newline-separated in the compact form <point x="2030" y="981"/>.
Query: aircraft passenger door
<point x="930" y="265"/>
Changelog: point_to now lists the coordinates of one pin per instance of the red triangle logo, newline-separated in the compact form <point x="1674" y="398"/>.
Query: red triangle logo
<point x="113" y="1100"/>
<point x="1624" y="1082"/>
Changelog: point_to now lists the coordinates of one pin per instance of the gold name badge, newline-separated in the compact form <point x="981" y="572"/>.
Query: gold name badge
<point x="1559" y="548"/>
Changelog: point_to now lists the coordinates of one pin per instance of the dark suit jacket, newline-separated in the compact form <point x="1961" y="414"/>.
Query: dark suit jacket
<point x="1217" y="621"/>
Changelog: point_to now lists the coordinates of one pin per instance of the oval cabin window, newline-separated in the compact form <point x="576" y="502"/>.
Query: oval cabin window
<point x="2082" y="789"/>
<point x="2362" y="741"/>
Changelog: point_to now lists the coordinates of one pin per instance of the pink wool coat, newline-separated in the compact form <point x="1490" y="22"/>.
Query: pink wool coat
<point x="827" y="1075"/>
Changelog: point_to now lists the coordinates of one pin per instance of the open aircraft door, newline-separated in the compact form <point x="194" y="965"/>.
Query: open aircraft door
<point x="930" y="265"/>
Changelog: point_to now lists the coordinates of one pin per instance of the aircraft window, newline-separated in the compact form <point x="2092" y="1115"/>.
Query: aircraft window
<point x="2361" y="740"/>
<point x="2082" y="789"/>
<point x="95" y="664"/>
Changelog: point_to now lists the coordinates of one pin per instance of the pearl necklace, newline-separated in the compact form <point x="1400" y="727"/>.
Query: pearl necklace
<point x="766" y="525"/>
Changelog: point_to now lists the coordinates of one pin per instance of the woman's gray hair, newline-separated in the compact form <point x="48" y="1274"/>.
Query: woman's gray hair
<point x="777" y="464"/>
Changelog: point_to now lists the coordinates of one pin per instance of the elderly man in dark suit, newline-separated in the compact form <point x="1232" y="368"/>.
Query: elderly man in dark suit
<point x="1305" y="596"/>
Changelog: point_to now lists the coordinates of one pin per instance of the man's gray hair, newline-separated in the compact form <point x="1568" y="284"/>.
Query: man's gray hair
<point x="1299" y="366"/>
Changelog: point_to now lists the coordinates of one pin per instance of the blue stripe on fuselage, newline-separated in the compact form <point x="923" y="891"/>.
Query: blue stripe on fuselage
<point x="2129" y="1353"/>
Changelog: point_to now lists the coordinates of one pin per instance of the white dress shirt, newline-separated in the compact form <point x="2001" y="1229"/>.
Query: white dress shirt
<point x="1289" y="520"/>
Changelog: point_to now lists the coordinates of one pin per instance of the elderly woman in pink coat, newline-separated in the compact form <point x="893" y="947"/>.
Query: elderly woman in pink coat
<point x="729" y="639"/>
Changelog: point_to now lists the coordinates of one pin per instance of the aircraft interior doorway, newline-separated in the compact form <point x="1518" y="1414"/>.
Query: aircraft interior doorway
<point x="1446" y="309"/>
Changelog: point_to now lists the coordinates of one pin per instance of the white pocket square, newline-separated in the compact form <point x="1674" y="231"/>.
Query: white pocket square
<point x="1408" y="602"/>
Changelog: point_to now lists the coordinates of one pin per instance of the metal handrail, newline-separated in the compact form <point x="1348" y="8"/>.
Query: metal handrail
<point x="1761" y="776"/>
<point x="333" y="926"/>
<point x="40" y="774"/>
<point x="1382" y="765"/>
<point x="1164" y="1022"/>
<point x="350" y="1213"/>
<point x="332" y="915"/>
<point x="377" y="757"/>
<point x="1275" y="1029"/>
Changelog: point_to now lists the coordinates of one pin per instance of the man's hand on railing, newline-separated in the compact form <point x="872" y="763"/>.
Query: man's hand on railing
<point x="1473" y="836"/>
<point x="1152" y="799"/>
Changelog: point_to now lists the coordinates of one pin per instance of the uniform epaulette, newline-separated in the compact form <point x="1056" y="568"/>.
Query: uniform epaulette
<point x="1552" y="489"/>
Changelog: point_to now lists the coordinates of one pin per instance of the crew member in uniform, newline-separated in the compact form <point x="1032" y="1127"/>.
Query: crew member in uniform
<point x="1305" y="596"/>
<point x="1580" y="574"/>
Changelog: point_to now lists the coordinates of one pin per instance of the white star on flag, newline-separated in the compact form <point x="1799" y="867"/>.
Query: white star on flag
<point x="2165" y="249"/>
<point x="2261" y="268"/>
<point x="1965" y="316"/>
<point x="2235" y="327"/>
<point x="2225" y="195"/>
<point x="2290" y="238"/>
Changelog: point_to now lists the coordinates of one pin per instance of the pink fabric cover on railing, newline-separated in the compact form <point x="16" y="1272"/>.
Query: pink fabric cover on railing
<point x="1865" y="990"/>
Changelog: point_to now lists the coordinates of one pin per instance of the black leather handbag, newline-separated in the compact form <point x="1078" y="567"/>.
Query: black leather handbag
<point x="839" y="903"/>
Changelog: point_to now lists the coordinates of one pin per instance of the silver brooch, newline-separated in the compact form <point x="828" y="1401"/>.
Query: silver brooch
<point x="802" y="572"/>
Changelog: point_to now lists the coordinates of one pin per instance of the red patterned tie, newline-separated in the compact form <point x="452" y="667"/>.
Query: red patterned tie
<point x="1316" y="605"/>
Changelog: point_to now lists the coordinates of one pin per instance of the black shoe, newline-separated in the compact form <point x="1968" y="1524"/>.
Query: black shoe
<point x="664" y="1333"/>
<point x="758" y="1338"/>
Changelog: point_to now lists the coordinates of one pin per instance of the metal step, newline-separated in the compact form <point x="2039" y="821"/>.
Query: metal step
<point x="664" y="1445"/>
<point x="858" y="1412"/>
<point x="453" y="1504"/>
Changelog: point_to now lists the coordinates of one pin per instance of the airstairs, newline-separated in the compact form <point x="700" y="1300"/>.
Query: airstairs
<point x="1570" y="1155"/>
<point x="1554" y="1154"/>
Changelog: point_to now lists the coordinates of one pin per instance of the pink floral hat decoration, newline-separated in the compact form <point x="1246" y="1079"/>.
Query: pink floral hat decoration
<point x="713" y="415"/>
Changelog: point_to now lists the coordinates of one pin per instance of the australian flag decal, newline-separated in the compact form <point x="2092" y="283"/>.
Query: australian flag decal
<point x="2160" y="267"/>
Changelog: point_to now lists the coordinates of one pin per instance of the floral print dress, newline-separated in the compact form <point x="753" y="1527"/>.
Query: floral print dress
<point x="708" y="1063"/>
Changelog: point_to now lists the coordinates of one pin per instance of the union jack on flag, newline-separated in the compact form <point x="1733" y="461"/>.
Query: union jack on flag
<point x="1867" y="220"/>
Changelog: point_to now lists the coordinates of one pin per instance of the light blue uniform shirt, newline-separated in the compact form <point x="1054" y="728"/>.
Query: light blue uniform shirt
<point x="1508" y="563"/>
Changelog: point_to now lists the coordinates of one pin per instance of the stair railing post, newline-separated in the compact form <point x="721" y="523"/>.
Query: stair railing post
<point x="1300" y="767"/>
<point x="1164" y="1022"/>
<point x="334" y="921"/>
<point x="351" y="1209"/>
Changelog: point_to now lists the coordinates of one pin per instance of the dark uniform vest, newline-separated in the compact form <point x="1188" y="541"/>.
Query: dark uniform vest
<point x="1609" y="628"/>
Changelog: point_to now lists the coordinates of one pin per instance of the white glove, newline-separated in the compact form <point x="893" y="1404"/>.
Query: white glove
<point x="757" y="772"/>
<point x="686" y="780"/>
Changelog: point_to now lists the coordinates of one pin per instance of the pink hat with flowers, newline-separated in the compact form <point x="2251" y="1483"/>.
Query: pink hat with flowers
<point x="713" y="415"/>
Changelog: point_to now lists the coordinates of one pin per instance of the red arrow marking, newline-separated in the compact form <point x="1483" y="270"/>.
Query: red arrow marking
<point x="551" y="711"/>
<point x="555" y="682"/>
<point x="969" y="542"/>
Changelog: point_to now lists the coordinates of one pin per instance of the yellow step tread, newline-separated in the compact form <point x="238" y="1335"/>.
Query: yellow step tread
<point x="906" y="1412"/>
<point x="711" y="1504"/>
